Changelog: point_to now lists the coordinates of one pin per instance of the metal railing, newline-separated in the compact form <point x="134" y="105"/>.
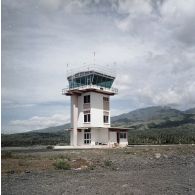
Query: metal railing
<point x="112" y="89"/>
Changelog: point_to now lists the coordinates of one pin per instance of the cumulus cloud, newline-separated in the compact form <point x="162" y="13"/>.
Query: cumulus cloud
<point x="163" y="80"/>
<point x="38" y="122"/>
<point x="151" y="42"/>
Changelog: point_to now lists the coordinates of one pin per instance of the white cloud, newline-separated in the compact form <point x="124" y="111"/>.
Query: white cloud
<point x="135" y="7"/>
<point x="116" y="112"/>
<point x="161" y="80"/>
<point x="139" y="15"/>
<point x="176" y="11"/>
<point x="50" y="4"/>
<point x="152" y="43"/>
<point x="37" y="122"/>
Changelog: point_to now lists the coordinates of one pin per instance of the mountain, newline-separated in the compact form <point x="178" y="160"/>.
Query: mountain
<point x="190" y="111"/>
<point x="152" y="125"/>
<point x="48" y="136"/>
<point x="56" y="129"/>
<point x="149" y="113"/>
<point x="138" y="117"/>
<point x="160" y="116"/>
<point x="142" y="115"/>
<point x="154" y="117"/>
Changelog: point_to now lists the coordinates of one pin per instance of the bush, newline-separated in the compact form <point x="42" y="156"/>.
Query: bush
<point x="108" y="163"/>
<point x="50" y="147"/>
<point x="61" y="164"/>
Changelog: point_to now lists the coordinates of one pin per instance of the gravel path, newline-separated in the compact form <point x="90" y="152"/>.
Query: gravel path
<point x="129" y="174"/>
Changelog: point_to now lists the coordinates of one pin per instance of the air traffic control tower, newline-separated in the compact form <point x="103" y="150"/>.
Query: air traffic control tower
<point x="90" y="90"/>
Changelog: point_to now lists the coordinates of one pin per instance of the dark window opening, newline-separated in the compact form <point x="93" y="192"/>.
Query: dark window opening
<point x="87" y="117"/>
<point x="86" y="99"/>
<point x="106" y="99"/>
<point x="105" y="119"/>
<point x="123" y="135"/>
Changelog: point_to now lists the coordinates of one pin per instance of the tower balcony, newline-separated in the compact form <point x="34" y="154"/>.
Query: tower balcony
<point x="89" y="88"/>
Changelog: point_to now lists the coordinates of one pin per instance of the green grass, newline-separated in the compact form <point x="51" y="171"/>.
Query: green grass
<point x="62" y="164"/>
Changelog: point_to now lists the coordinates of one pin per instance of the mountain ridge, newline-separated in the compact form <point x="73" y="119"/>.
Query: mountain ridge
<point x="152" y="125"/>
<point x="149" y="113"/>
<point x="145" y="115"/>
<point x="142" y="115"/>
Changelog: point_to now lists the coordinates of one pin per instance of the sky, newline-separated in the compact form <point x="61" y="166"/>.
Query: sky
<point x="150" y="44"/>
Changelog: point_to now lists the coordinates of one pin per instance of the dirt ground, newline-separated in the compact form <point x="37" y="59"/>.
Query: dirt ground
<point x="132" y="170"/>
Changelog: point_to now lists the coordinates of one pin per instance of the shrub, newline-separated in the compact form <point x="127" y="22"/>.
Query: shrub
<point x="108" y="163"/>
<point x="61" y="164"/>
<point x="49" y="147"/>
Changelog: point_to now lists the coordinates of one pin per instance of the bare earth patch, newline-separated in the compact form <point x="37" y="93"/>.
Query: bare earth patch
<point x="134" y="170"/>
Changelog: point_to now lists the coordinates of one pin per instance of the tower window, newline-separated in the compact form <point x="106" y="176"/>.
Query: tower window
<point x="123" y="135"/>
<point x="106" y="99"/>
<point x="106" y="104"/>
<point x="86" y="99"/>
<point x="105" y="119"/>
<point x="87" y="116"/>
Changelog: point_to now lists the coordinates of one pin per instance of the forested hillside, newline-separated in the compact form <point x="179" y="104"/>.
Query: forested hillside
<point x="153" y="125"/>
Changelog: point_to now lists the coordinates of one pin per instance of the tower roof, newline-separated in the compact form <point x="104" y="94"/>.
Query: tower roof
<point x="105" y="70"/>
<point x="91" y="78"/>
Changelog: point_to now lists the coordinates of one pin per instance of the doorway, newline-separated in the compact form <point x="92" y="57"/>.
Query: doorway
<point x="87" y="136"/>
<point x="118" y="136"/>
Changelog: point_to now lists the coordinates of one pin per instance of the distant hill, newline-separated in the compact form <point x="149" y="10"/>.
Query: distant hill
<point x="154" y="117"/>
<point x="56" y="129"/>
<point x="150" y="113"/>
<point x="190" y="111"/>
<point x="48" y="136"/>
<point x="139" y="117"/>
<point x="152" y="125"/>
<point x="36" y="138"/>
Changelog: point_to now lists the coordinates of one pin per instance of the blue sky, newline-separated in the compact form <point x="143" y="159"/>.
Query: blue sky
<point x="150" y="43"/>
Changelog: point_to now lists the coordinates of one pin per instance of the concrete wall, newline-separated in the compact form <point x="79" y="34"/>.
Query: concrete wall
<point x="71" y="138"/>
<point x="80" y="139"/>
<point x="94" y="136"/>
<point x="113" y="137"/>
<point x="123" y="142"/>
<point x="99" y="130"/>
<point x="97" y="111"/>
<point x="74" y="118"/>
<point x="98" y="135"/>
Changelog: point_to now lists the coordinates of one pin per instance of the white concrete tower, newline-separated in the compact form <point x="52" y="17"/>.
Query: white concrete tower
<point x="90" y="92"/>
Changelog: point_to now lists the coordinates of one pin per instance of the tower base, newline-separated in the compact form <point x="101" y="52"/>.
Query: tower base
<point x="98" y="136"/>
